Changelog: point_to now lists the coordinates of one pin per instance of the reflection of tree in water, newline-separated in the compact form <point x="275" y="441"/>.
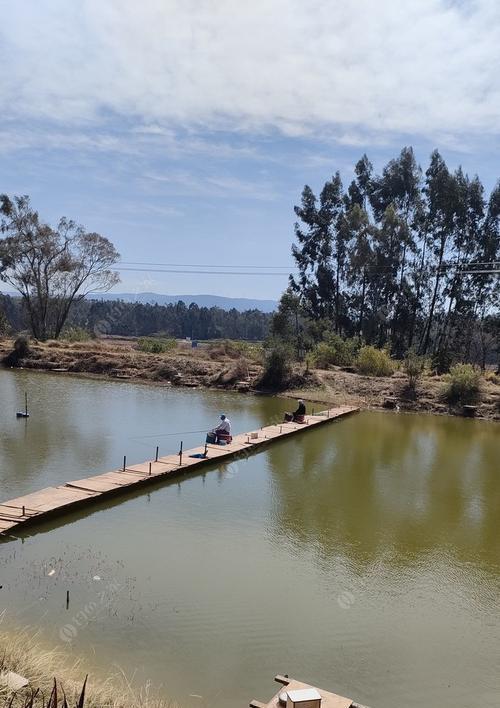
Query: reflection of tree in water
<point x="27" y="447"/>
<point x="390" y="488"/>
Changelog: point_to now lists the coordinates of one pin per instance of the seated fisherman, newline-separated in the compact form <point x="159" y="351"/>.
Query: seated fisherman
<point x="297" y="416"/>
<point x="223" y="431"/>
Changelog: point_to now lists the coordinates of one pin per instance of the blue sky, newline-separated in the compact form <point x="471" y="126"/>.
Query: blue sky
<point x="185" y="131"/>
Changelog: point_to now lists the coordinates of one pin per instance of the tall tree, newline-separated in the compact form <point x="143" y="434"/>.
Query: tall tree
<point x="51" y="268"/>
<point x="321" y="253"/>
<point x="441" y="192"/>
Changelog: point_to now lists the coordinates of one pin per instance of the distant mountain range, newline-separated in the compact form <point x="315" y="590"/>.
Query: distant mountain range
<point x="225" y="303"/>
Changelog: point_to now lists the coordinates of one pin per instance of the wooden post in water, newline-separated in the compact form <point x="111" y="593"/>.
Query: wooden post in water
<point x="24" y="511"/>
<point x="150" y="468"/>
<point x="67" y="599"/>
<point x="180" y="454"/>
<point x="124" y="462"/>
<point x="205" y="454"/>
<point x="157" y="451"/>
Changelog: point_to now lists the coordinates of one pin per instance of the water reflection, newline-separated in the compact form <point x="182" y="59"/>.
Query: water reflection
<point x="32" y="451"/>
<point x="391" y="487"/>
<point x="80" y="427"/>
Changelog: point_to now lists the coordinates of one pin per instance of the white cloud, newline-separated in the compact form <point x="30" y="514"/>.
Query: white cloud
<point x="419" y="67"/>
<point x="183" y="182"/>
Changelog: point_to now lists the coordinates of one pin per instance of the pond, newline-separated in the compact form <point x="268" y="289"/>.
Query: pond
<point x="363" y="556"/>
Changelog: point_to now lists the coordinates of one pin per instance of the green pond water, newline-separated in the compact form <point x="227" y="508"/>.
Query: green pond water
<point x="363" y="557"/>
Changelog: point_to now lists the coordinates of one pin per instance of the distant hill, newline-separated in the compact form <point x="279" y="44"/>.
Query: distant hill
<point x="225" y="303"/>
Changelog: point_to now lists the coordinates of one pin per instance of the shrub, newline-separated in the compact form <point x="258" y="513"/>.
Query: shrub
<point x="21" y="351"/>
<point x="153" y="345"/>
<point x="441" y="361"/>
<point x="4" y="324"/>
<point x="374" y="362"/>
<point x="75" y="334"/>
<point x="322" y="355"/>
<point x="463" y="385"/>
<point x="413" y="366"/>
<point x="277" y="366"/>
<point x="237" y="371"/>
<point x="335" y="351"/>
<point x="22" y="347"/>
<point x="492" y="377"/>
<point x="234" y="349"/>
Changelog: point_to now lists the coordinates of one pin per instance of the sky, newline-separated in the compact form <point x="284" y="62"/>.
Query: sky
<point x="185" y="130"/>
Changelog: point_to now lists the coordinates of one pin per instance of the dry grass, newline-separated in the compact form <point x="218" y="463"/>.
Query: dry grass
<point x="23" y="652"/>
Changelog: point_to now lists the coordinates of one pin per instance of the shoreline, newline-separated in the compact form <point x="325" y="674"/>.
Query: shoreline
<point x="23" y="652"/>
<point x="118" y="360"/>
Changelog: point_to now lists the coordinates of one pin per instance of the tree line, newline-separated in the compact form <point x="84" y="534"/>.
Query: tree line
<point x="401" y="259"/>
<point x="116" y="317"/>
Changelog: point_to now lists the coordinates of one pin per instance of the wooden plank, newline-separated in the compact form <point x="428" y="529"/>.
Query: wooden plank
<point x="328" y="700"/>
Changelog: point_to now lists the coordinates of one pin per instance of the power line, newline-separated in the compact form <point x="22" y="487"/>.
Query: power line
<point x="201" y="272"/>
<point x="478" y="268"/>
<point x="200" y="265"/>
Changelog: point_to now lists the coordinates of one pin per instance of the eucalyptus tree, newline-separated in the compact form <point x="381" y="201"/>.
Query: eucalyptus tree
<point x="321" y="251"/>
<point x="390" y="255"/>
<point x="400" y="187"/>
<point x="51" y="268"/>
<point x="361" y="261"/>
<point x="441" y="193"/>
<point x="464" y="247"/>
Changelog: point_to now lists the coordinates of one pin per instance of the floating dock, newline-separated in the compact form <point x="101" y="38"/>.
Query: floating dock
<point x="328" y="700"/>
<point x="56" y="501"/>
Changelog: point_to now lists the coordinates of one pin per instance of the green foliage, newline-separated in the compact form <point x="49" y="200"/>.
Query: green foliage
<point x="4" y="324"/>
<point x="463" y="385"/>
<point x="413" y="366"/>
<point x="75" y="334"/>
<point x="369" y="259"/>
<point x="277" y="366"/>
<point x="152" y="345"/>
<point x="49" y="267"/>
<point x="441" y="361"/>
<point x="335" y="350"/>
<point x="374" y="362"/>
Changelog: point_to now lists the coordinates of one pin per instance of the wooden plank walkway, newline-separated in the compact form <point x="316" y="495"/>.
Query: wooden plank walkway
<point x="52" y="501"/>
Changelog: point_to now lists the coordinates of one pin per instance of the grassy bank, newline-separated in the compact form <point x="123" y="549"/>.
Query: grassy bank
<point x="238" y="366"/>
<point x="24" y="653"/>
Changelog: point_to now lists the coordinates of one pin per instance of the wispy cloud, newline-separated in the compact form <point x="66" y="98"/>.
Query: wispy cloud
<point x="186" y="183"/>
<point x="422" y="67"/>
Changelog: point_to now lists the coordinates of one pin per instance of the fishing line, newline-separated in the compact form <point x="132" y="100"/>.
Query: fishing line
<point x="164" y="435"/>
